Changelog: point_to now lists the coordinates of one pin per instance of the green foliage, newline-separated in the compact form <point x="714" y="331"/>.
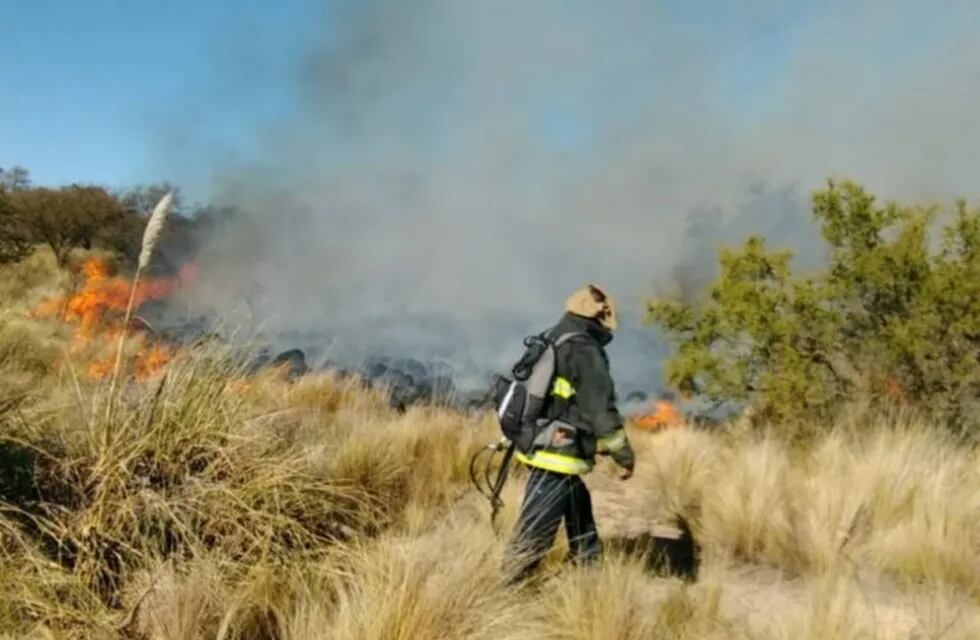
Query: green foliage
<point x="894" y="317"/>
<point x="66" y="218"/>
<point x="14" y="241"/>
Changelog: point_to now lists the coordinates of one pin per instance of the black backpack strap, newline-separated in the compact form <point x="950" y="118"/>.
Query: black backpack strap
<point x="565" y="337"/>
<point x="534" y="346"/>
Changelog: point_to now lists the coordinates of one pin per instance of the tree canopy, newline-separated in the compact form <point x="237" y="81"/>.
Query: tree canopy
<point x="65" y="218"/>
<point x="68" y="217"/>
<point x="894" y="316"/>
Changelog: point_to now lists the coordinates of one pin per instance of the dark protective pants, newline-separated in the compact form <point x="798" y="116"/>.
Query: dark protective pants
<point x="551" y="497"/>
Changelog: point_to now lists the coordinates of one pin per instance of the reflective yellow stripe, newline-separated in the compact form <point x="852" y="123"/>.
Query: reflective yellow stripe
<point x="555" y="462"/>
<point x="562" y="388"/>
<point x="612" y="443"/>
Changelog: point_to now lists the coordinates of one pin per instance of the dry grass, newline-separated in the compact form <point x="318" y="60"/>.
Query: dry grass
<point x="28" y="282"/>
<point x="234" y="506"/>
<point x="899" y="498"/>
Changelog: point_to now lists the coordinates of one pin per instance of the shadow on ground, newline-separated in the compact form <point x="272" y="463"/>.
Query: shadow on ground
<point x="663" y="555"/>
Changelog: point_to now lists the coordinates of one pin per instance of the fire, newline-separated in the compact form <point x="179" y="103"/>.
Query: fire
<point x="97" y="309"/>
<point x="893" y="388"/>
<point x="100" y="368"/>
<point x="663" y="415"/>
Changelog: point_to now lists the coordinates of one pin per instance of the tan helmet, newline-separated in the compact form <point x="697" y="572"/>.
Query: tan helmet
<point x="592" y="302"/>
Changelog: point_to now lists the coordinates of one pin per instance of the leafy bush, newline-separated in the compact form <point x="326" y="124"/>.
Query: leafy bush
<point x="14" y="240"/>
<point x="894" y="317"/>
<point x="68" y="217"/>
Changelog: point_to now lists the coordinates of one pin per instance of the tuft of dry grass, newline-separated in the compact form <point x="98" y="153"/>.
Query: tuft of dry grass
<point x="25" y="283"/>
<point x="898" y="498"/>
<point x="205" y="462"/>
<point x="440" y="584"/>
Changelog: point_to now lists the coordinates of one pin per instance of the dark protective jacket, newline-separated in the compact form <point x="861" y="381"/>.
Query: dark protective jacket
<point x="581" y="418"/>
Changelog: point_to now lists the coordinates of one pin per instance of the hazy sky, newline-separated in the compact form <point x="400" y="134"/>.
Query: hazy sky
<point x="111" y="90"/>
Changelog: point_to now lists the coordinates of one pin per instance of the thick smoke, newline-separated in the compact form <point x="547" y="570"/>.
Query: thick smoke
<point x="456" y="169"/>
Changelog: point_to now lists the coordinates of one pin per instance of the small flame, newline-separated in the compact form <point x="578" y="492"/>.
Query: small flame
<point x="100" y="368"/>
<point x="97" y="310"/>
<point x="893" y="388"/>
<point x="663" y="415"/>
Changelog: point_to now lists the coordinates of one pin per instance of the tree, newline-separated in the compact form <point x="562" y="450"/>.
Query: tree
<point x="889" y="316"/>
<point x="189" y="227"/>
<point x="141" y="199"/>
<point x="15" y="242"/>
<point x="15" y="178"/>
<point x="66" y="218"/>
<point x="179" y="237"/>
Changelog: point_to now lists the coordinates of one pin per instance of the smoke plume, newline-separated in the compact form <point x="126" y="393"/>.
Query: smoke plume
<point x="455" y="169"/>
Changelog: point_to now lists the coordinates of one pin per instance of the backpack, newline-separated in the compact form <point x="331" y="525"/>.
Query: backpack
<point x="521" y="401"/>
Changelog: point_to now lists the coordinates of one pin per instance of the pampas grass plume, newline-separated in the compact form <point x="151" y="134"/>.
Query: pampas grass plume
<point x="153" y="230"/>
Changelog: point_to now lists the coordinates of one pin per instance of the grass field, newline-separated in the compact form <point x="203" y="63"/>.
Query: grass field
<point x="211" y="504"/>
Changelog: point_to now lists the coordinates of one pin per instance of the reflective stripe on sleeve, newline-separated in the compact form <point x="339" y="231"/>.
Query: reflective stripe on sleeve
<point x="612" y="443"/>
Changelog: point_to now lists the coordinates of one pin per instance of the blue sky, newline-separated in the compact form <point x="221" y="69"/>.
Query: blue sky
<point x="85" y="85"/>
<point x="118" y="92"/>
<point x="100" y="90"/>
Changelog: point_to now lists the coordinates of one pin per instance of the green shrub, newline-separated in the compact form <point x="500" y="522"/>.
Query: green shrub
<point x="894" y="316"/>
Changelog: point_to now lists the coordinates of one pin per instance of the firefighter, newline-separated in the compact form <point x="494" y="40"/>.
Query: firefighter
<point x="582" y="421"/>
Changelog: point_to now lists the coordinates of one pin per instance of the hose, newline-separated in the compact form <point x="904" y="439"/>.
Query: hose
<point x="481" y="477"/>
<point x="491" y="487"/>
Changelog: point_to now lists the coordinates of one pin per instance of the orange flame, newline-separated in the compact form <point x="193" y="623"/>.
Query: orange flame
<point x="892" y="387"/>
<point x="97" y="310"/>
<point x="663" y="415"/>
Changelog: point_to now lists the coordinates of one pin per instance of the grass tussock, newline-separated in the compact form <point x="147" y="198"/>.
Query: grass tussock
<point x="443" y="583"/>
<point x="189" y="466"/>
<point x="25" y="283"/>
<point x="903" y="499"/>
